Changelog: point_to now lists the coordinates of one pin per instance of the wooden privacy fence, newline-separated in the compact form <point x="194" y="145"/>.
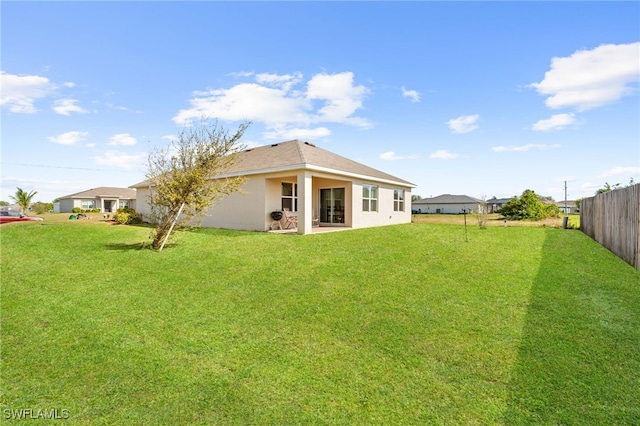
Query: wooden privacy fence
<point x="613" y="220"/>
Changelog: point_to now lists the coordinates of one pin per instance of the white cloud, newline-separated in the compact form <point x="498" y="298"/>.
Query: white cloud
<point x="121" y="159"/>
<point x="246" y="101"/>
<point x="523" y="148"/>
<point x="591" y="78"/>
<point x="464" y="124"/>
<point x="282" y="103"/>
<point x="67" y="106"/>
<point x="20" y="92"/>
<point x="285" y="82"/>
<point x="239" y="74"/>
<point x="113" y="106"/>
<point x="341" y="97"/>
<point x="390" y="156"/>
<point x="555" y="122"/>
<point x="69" y="138"/>
<point x="122" y="139"/>
<point x="443" y="154"/>
<point x="411" y="94"/>
<point x="251" y="144"/>
<point x="296" y="133"/>
<point x="621" y="171"/>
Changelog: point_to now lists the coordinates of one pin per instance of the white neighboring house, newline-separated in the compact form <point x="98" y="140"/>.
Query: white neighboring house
<point x="107" y="199"/>
<point x="321" y="188"/>
<point x="447" y="204"/>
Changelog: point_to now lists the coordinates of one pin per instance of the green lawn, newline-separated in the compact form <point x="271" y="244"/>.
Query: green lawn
<point x="408" y="324"/>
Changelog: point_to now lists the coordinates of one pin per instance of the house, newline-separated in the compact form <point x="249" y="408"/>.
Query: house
<point x="495" y="204"/>
<point x="318" y="186"/>
<point x="107" y="199"/>
<point x="447" y="203"/>
<point x="569" y="208"/>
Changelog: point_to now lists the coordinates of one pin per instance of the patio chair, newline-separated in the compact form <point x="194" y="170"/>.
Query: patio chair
<point x="290" y="219"/>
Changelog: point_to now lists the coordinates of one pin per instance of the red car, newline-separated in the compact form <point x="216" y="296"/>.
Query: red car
<point x="9" y="216"/>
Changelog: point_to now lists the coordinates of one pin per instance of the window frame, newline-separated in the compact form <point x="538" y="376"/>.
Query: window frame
<point x="369" y="201"/>
<point x="88" y="204"/>
<point x="293" y="197"/>
<point x="398" y="200"/>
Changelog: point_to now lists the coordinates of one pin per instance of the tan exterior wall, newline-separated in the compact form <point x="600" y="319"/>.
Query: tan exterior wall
<point x="385" y="214"/>
<point x="242" y="211"/>
<point x="66" y="206"/>
<point x="142" y="203"/>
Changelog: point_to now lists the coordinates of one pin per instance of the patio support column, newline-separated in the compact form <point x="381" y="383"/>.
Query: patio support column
<point x="305" y="202"/>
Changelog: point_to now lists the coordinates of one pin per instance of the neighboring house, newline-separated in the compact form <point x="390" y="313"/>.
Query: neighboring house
<point x="447" y="203"/>
<point x="107" y="199"/>
<point x="570" y="207"/>
<point x="495" y="204"/>
<point x="318" y="186"/>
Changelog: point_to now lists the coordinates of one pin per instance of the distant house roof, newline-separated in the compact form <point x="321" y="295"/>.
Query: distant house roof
<point x="294" y="155"/>
<point x="570" y="203"/>
<point x="499" y="200"/>
<point x="448" y="199"/>
<point x="104" y="192"/>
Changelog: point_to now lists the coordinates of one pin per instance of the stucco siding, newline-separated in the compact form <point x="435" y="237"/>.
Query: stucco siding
<point x="66" y="206"/>
<point x="241" y="211"/>
<point x="385" y="214"/>
<point x="142" y="203"/>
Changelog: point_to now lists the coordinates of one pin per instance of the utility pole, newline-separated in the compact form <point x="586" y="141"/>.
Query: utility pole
<point x="565" y="219"/>
<point x="464" y="212"/>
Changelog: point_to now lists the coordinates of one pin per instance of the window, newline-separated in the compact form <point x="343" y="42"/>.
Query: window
<point x="88" y="204"/>
<point x="398" y="200"/>
<point x="124" y="204"/>
<point x="369" y="198"/>
<point x="290" y="196"/>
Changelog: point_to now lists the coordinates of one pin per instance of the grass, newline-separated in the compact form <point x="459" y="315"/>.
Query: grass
<point x="407" y="324"/>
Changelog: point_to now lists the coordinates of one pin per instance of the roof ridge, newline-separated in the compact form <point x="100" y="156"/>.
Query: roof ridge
<point x="298" y="144"/>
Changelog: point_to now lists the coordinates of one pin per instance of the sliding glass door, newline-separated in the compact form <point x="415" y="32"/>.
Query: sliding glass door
<point x="332" y="205"/>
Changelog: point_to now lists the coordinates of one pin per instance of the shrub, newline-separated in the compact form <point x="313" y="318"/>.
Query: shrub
<point x="76" y="210"/>
<point x="127" y="216"/>
<point x="528" y="206"/>
<point x="40" y="207"/>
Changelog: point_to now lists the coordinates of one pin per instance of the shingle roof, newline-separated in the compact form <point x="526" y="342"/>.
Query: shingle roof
<point x="499" y="200"/>
<point x="104" y="192"/>
<point x="294" y="155"/>
<point x="448" y="199"/>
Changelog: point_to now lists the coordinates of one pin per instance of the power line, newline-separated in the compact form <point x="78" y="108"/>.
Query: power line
<point x="69" y="168"/>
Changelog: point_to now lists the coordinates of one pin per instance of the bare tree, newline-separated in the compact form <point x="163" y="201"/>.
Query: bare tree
<point x="184" y="178"/>
<point x="483" y="212"/>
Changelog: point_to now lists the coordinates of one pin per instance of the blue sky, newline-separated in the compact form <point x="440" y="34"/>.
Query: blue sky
<point x="477" y="98"/>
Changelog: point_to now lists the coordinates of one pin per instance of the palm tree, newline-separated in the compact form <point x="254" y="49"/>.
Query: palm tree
<point x="23" y="198"/>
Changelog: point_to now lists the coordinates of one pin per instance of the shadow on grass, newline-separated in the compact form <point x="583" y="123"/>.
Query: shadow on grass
<point x="127" y="247"/>
<point x="579" y="358"/>
<point x="135" y="246"/>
